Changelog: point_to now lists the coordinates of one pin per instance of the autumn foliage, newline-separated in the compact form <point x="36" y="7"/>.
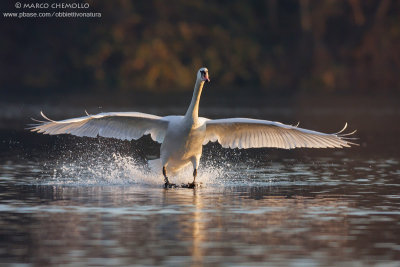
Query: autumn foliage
<point x="286" y="46"/>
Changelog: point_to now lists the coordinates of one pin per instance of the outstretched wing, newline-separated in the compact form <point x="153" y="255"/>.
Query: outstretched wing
<point x="120" y="125"/>
<point x="250" y="133"/>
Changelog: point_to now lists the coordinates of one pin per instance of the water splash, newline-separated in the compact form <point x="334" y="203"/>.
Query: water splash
<point x="119" y="169"/>
<point x="102" y="162"/>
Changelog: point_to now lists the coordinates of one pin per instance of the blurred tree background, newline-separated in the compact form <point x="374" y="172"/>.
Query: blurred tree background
<point x="271" y="46"/>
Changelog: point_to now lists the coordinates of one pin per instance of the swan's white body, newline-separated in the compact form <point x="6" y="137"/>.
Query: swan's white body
<point x="182" y="137"/>
<point x="183" y="143"/>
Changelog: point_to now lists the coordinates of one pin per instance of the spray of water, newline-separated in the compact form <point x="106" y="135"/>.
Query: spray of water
<point x="112" y="162"/>
<point x="118" y="169"/>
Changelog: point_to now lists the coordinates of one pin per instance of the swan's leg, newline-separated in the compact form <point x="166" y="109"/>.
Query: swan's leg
<point x="167" y="183"/>
<point x="195" y="163"/>
<point x="193" y="184"/>
<point x="164" y="172"/>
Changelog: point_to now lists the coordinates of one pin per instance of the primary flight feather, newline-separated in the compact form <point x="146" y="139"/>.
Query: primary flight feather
<point x="182" y="137"/>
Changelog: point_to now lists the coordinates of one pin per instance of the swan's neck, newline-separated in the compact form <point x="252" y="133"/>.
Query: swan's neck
<point x="193" y="110"/>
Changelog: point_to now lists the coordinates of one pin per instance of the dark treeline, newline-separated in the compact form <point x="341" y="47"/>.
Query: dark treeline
<point x="283" y="46"/>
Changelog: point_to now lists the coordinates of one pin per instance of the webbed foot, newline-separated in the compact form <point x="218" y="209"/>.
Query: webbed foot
<point x="190" y="185"/>
<point x="169" y="185"/>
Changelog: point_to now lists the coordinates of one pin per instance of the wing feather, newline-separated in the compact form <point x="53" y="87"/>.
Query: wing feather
<point x="120" y="125"/>
<point x="250" y="133"/>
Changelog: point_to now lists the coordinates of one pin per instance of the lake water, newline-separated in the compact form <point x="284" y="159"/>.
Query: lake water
<point x="81" y="201"/>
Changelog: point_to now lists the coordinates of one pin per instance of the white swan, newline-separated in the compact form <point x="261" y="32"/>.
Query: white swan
<point x="182" y="137"/>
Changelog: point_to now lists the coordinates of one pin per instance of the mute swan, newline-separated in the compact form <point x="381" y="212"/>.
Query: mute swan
<point x="182" y="137"/>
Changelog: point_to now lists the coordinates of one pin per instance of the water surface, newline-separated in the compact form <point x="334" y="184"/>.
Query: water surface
<point x="67" y="200"/>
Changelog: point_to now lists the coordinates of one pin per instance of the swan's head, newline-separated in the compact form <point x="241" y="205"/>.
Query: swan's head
<point x="202" y="74"/>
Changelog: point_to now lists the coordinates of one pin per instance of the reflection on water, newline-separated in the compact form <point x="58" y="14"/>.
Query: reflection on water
<point x="333" y="212"/>
<point x="67" y="200"/>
